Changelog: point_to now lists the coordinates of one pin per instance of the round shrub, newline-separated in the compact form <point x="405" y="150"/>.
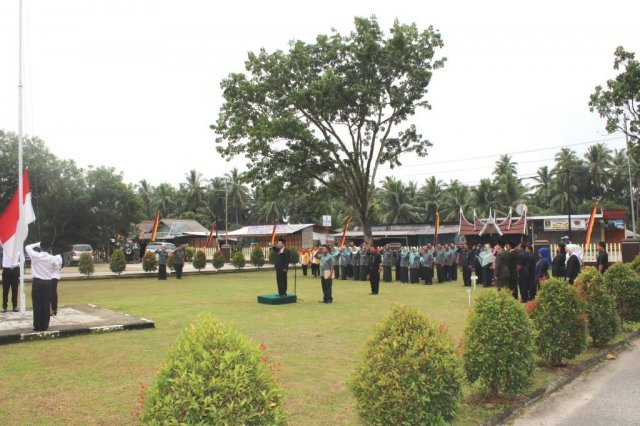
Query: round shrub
<point x="218" y="260"/>
<point x="603" y="320"/>
<point x="117" y="262"/>
<point x="257" y="257"/>
<point x="273" y="257"/>
<point x="171" y="261"/>
<point x="560" y="322"/>
<point x="295" y="256"/>
<point x="409" y="374"/>
<point x="189" y="252"/>
<point x="498" y="346"/>
<point x="85" y="264"/>
<point x="149" y="262"/>
<point x="623" y="284"/>
<point x="238" y="260"/>
<point x="214" y="376"/>
<point x="635" y="264"/>
<point x="199" y="260"/>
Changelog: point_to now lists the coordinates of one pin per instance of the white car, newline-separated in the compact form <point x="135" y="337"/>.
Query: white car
<point x="155" y="246"/>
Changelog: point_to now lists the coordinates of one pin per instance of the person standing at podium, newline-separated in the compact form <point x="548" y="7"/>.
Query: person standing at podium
<point x="283" y="258"/>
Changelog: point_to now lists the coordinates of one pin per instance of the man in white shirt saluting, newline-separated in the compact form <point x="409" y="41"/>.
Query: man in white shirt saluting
<point x="43" y="268"/>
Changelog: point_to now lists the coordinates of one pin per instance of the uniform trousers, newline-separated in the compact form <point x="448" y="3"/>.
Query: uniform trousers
<point x="428" y="274"/>
<point x="336" y="271"/>
<point x="343" y="272"/>
<point x="386" y="274"/>
<point x="466" y="276"/>
<point x="440" y="273"/>
<point x="374" y="280"/>
<point x="54" y="295"/>
<point x="281" y="279"/>
<point x="454" y="272"/>
<point x="327" y="284"/>
<point x="413" y="275"/>
<point x="363" y="272"/>
<point x="162" y="272"/>
<point x="10" y="280"/>
<point x="178" y="267"/>
<point x="41" y="301"/>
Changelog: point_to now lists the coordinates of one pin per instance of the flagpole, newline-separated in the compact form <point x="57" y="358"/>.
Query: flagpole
<point x="20" y="160"/>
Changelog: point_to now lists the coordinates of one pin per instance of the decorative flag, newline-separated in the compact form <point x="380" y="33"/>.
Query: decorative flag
<point x="211" y="234"/>
<point x="156" y="222"/>
<point x="273" y="233"/>
<point x="592" y="220"/>
<point x="344" y="232"/>
<point x="13" y="231"/>
<point x="437" y="228"/>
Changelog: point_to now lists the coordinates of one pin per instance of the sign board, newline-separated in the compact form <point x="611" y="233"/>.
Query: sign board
<point x="326" y="220"/>
<point x="563" y="224"/>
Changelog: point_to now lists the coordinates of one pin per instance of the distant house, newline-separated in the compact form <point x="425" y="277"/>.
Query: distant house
<point x="296" y="235"/>
<point x="177" y="231"/>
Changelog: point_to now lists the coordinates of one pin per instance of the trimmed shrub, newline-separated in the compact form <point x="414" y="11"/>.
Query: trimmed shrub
<point x="199" y="260"/>
<point x="218" y="260"/>
<point x="273" y="256"/>
<point x="85" y="264"/>
<point x="409" y="373"/>
<point x="560" y="322"/>
<point x="295" y="256"/>
<point x="604" y="322"/>
<point x="149" y="262"/>
<point x="498" y="346"/>
<point x="171" y="261"/>
<point x="214" y="375"/>
<point x="635" y="264"/>
<point x="238" y="260"/>
<point x="257" y="257"/>
<point x="117" y="262"/>
<point x="189" y="252"/>
<point x="624" y="285"/>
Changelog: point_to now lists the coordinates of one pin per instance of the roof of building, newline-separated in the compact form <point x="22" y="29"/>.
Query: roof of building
<point x="170" y="228"/>
<point x="264" y="230"/>
<point x="401" y="230"/>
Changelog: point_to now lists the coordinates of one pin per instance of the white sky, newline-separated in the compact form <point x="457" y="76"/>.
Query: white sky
<point x="134" y="84"/>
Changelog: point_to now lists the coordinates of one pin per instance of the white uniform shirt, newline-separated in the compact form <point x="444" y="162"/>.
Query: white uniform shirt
<point x="10" y="262"/>
<point x="56" y="273"/>
<point x="43" y="265"/>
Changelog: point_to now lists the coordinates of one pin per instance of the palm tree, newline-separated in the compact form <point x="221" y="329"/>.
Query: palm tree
<point x="505" y="166"/>
<point x="511" y="191"/>
<point x="145" y="192"/>
<point x="396" y="201"/>
<point x="238" y="193"/>
<point x="164" y="199"/>
<point x="194" y="190"/>
<point x="598" y="158"/>
<point x="483" y="195"/>
<point x="430" y="195"/>
<point x="565" y="193"/>
<point x="542" y="188"/>
<point x="455" y="197"/>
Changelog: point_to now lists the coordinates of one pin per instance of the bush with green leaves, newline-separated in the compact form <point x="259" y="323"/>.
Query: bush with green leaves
<point x="604" y="322"/>
<point x="238" y="260"/>
<point x="117" y="262"/>
<point x="295" y="256"/>
<point x="635" y="264"/>
<point x="498" y="348"/>
<point x="273" y="256"/>
<point x="623" y="284"/>
<point x="409" y="373"/>
<point x="257" y="257"/>
<point x="560" y="322"/>
<point x="218" y="260"/>
<point x="85" y="264"/>
<point x="189" y="252"/>
<point x="214" y="376"/>
<point x="199" y="260"/>
<point x="171" y="261"/>
<point x="149" y="262"/>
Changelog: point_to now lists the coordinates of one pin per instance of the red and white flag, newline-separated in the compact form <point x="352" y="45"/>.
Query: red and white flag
<point x="13" y="231"/>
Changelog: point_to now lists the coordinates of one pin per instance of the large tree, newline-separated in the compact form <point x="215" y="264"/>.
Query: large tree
<point x="333" y="110"/>
<point x="619" y="102"/>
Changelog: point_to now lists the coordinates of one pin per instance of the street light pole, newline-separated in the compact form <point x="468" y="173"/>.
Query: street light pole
<point x="226" y="210"/>
<point x="633" y="215"/>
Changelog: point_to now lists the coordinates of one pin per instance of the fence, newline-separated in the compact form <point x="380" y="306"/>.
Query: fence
<point x="591" y="252"/>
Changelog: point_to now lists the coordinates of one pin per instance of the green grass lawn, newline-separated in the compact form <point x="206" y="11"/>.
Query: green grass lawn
<point x="96" y="379"/>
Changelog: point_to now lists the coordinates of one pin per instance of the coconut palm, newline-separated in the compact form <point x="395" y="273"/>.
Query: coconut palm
<point x="238" y="193"/>
<point x="194" y="190"/>
<point x="483" y="195"/>
<point x="430" y="196"/>
<point x="396" y="201"/>
<point x="542" y="187"/>
<point x="505" y="166"/>
<point x="598" y="158"/>
<point x="145" y="192"/>
<point x="163" y="199"/>
<point x="455" y="197"/>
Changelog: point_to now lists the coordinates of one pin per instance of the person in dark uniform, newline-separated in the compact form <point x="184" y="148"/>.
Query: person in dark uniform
<point x="602" y="262"/>
<point x="446" y="266"/>
<point x="525" y="271"/>
<point x="454" y="262"/>
<point x="404" y="266"/>
<point x="428" y="265"/>
<point x="364" y="258"/>
<point x="43" y="267"/>
<point x="466" y="263"/>
<point x="178" y="261"/>
<point x="397" y="255"/>
<point x="373" y="263"/>
<point x="355" y="261"/>
<point x="163" y="258"/>
<point x="573" y="263"/>
<point x="513" y="268"/>
<point x="282" y="265"/>
<point x="502" y="272"/>
<point x="559" y="264"/>
<point x="387" y="261"/>
<point x="439" y="262"/>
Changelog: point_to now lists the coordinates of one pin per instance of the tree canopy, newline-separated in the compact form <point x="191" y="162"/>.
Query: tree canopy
<point x="333" y="110"/>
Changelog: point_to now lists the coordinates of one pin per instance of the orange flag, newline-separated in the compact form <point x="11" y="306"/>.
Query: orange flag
<point x="156" y="222"/>
<point x="211" y="234"/>
<point x="344" y="231"/>
<point x="437" y="228"/>
<point x="592" y="220"/>
<point x="273" y="233"/>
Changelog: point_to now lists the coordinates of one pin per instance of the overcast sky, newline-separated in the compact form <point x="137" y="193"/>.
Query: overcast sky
<point x="134" y="84"/>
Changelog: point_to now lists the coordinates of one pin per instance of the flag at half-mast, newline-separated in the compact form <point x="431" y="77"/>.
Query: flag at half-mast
<point x="154" y="230"/>
<point x="13" y="229"/>
<point x="211" y="234"/>
<point x="592" y="220"/>
<point x="344" y="232"/>
<point x="273" y="233"/>
<point x="437" y="228"/>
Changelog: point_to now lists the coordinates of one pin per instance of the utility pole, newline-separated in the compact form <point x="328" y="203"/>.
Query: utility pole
<point x="631" y="197"/>
<point x="568" y="187"/>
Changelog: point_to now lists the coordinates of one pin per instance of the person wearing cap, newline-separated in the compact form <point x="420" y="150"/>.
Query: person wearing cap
<point x="43" y="268"/>
<point x="283" y="258"/>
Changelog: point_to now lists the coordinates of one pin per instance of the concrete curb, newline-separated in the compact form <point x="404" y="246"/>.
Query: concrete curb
<point x="512" y="410"/>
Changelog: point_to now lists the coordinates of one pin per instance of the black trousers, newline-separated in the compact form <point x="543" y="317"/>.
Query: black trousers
<point x="524" y="283"/>
<point x="41" y="301"/>
<point x="349" y="271"/>
<point x="454" y="272"/>
<point x="162" y="272"/>
<point x="54" y="295"/>
<point x="343" y="272"/>
<point x="404" y="274"/>
<point x="304" y="270"/>
<point x="281" y="278"/>
<point x="447" y="272"/>
<point x="327" y="283"/>
<point x="413" y="275"/>
<point x="315" y="270"/>
<point x="178" y="267"/>
<point x="428" y="275"/>
<point x="533" y="287"/>
<point x="356" y="272"/>
<point x="374" y="280"/>
<point x="10" y="281"/>
<point x="386" y="274"/>
<point x="487" y="275"/>
<point x="336" y="271"/>
<point x="397" y="273"/>
<point x="466" y="276"/>
<point x="440" y="273"/>
<point x="363" y="272"/>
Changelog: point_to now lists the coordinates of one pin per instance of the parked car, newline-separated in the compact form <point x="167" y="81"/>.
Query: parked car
<point x="155" y="246"/>
<point x="71" y="253"/>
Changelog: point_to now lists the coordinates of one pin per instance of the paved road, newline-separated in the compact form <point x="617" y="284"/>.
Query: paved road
<point x="607" y="395"/>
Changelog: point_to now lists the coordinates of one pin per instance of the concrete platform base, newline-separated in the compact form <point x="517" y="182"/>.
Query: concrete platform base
<point x="70" y="320"/>
<point x="276" y="299"/>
